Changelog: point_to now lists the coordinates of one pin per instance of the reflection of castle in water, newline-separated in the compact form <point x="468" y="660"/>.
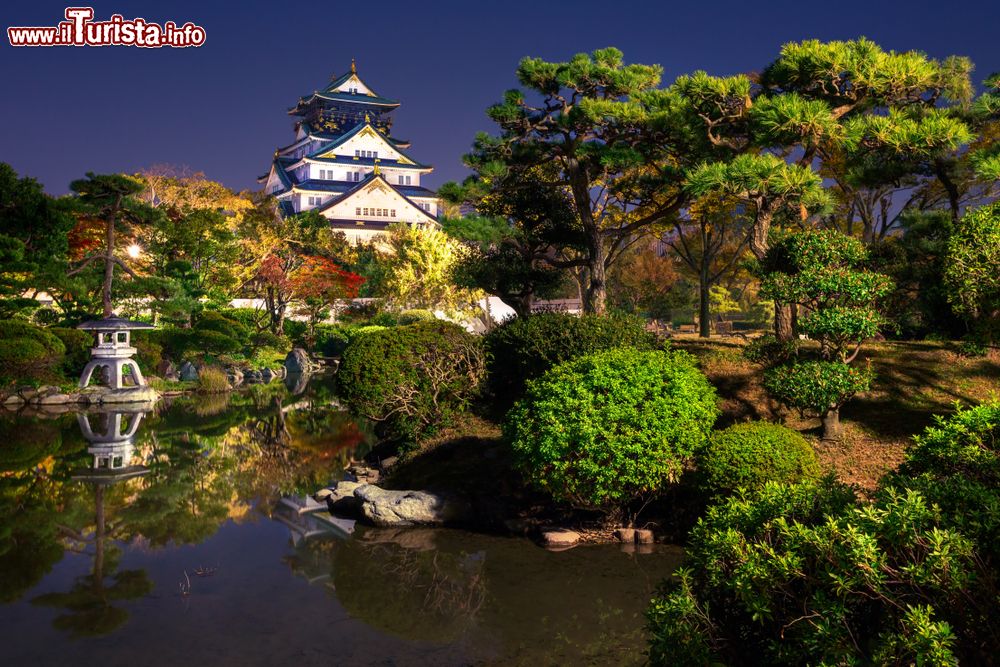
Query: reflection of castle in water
<point x="112" y="445"/>
<point x="306" y="518"/>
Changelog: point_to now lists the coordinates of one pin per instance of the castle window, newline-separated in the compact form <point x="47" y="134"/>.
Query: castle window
<point x="400" y="180"/>
<point x="366" y="210"/>
<point x="407" y="180"/>
<point x="357" y="211"/>
<point x="392" y="213"/>
<point x="357" y="153"/>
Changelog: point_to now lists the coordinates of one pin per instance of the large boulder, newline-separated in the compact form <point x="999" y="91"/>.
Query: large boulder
<point x="234" y="375"/>
<point x="559" y="538"/>
<point x="167" y="370"/>
<point x="339" y="497"/>
<point x="188" y="372"/>
<point x="387" y="508"/>
<point x="298" y="361"/>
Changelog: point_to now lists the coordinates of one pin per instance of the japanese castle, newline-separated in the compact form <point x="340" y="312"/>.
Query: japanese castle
<point x="345" y="164"/>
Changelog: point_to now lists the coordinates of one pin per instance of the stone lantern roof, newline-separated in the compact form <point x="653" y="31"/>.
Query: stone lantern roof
<point x="113" y="323"/>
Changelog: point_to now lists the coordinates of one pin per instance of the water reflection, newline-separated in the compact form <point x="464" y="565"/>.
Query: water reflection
<point x="102" y="514"/>
<point x="500" y="599"/>
<point x="92" y="484"/>
<point x="87" y="609"/>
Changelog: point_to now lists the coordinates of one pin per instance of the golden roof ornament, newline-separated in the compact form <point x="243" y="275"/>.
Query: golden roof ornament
<point x="354" y="68"/>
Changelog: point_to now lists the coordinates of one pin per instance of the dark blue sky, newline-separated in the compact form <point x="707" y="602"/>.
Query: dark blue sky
<point x="221" y="108"/>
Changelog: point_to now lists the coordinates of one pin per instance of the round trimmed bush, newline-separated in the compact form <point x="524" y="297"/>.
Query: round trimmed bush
<point x="750" y="455"/>
<point x="415" y="315"/>
<point x="27" y="351"/>
<point x="210" y="320"/>
<point x="411" y="380"/>
<point x="521" y="349"/>
<point x="77" y="344"/>
<point x="331" y="340"/>
<point x="603" y="430"/>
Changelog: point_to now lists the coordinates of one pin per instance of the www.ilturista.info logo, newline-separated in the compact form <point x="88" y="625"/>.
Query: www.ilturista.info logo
<point x="79" y="29"/>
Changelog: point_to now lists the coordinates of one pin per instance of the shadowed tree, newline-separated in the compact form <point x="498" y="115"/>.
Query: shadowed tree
<point x="521" y="237"/>
<point x="33" y="241"/>
<point x="616" y="144"/>
<point x="113" y="198"/>
<point x="972" y="270"/>
<point x="710" y="240"/>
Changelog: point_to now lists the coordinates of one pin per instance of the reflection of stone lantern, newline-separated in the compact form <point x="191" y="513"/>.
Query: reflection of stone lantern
<point x="112" y="352"/>
<point x="112" y="445"/>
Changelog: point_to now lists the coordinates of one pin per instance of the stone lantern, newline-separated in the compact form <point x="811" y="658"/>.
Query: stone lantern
<point x="112" y="352"/>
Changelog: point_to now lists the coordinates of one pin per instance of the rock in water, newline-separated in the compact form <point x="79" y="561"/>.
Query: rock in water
<point x="339" y="497"/>
<point x="298" y="361"/>
<point x="410" y="508"/>
<point x="559" y="538"/>
<point x="188" y="372"/>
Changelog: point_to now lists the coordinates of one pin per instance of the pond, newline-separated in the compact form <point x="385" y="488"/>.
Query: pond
<point x="183" y="534"/>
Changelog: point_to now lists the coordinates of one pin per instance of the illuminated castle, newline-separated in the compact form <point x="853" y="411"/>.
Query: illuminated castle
<point x="345" y="164"/>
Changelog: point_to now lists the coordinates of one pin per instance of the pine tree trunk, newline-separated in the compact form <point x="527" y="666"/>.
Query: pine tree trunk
<point x="784" y="322"/>
<point x="109" y="265"/>
<point x="832" y="429"/>
<point x="595" y="298"/>
<point x="704" y="309"/>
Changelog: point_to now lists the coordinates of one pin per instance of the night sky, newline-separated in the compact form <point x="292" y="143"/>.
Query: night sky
<point x="221" y="108"/>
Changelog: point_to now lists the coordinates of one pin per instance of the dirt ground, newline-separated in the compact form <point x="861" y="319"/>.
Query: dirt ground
<point x="914" y="382"/>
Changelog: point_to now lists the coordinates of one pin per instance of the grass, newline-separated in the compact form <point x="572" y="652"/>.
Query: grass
<point x="212" y="380"/>
<point x="915" y="381"/>
<point x="161" y="385"/>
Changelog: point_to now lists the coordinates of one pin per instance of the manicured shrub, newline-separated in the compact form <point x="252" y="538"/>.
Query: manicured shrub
<point x="768" y="351"/>
<point x="266" y="339"/>
<point x="804" y="574"/>
<point x="411" y="380"/>
<point x="823" y="271"/>
<point x="331" y="340"/>
<point x="251" y="318"/>
<point x="971" y="274"/>
<point x="213" y="342"/>
<point x="357" y="332"/>
<point x="956" y="464"/>
<point x="415" y="315"/>
<point x="521" y="349"/>
<point x="77" y="344"/>
<point x="296" y="332"/>
<point x="385" y="319"/>
<point x="27" y="352"/>
<point x="820" y="387"/>
<point x="148" y="352"/>
<point x="606" y="429"/>
<point x="173" y="341"/>
<point x="212" y="321"/>
<point x="212" y="380"/>
<point x="752" y="454"/>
